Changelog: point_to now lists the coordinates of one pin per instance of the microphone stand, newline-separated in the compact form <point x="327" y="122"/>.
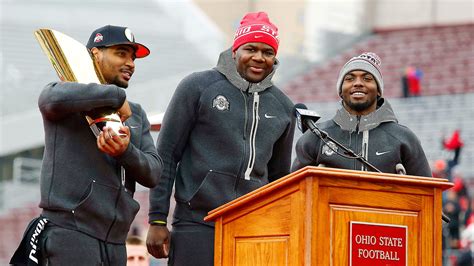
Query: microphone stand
<point x="323" y="135"/>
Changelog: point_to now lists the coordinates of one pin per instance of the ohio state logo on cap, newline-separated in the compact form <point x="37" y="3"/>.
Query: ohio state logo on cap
<point x="98" y="38"/>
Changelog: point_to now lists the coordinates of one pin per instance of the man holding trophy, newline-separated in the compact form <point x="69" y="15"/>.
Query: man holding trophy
<point x="87" y="182"/>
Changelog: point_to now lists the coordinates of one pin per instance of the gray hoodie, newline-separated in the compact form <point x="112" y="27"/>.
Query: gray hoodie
<point x="83" y="188"/>
<point x="377" y="137"/>
<point x="221" y="138"/>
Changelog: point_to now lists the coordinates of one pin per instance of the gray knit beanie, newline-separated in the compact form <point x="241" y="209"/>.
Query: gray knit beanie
<point x="369" y="62"/>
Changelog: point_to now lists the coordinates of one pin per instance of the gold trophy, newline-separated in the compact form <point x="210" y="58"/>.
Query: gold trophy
<point x="73" y="62"/>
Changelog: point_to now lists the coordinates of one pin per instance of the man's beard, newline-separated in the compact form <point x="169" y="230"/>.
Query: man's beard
<point x="119" y="83"/>
<point x="359" y="107"/>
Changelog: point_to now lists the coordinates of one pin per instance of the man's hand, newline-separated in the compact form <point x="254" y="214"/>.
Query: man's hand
<point x="158" y="241"/>
<point x="124" y="111"/>
<point x="111" y="143"/>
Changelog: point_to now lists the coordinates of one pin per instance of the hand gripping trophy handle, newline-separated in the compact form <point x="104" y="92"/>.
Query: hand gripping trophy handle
<point x="73" y="62"/>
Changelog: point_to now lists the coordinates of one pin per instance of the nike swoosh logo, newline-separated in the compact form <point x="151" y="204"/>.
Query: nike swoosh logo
<point x="133" y="127"/>
<point x="257" y="36"/>
<point x="380" y="153"/>
<point x="269" y="116"/>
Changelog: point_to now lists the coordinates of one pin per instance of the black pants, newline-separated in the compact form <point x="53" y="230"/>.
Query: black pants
<point x="191" y="244"/>
<point x="68" y="247"/>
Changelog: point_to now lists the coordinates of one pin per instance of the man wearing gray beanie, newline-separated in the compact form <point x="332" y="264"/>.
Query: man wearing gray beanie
<point x="366" y="124"/>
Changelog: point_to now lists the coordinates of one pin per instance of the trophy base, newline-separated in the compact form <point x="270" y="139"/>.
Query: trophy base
<point x="98" y="119"/>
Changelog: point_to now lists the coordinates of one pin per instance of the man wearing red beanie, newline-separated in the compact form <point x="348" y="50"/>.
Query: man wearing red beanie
<point x="226" y="132"/>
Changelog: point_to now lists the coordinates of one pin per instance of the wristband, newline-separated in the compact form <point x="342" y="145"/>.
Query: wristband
<point x="158" y="222"/>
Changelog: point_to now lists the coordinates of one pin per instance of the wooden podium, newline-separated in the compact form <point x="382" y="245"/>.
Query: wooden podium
<point x="325" y="216"/>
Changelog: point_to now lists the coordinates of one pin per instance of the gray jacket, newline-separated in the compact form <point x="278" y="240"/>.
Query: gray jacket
<point x="221" y="138"/>
<point x="377" y="137"/>
<point x="81" y="187"/>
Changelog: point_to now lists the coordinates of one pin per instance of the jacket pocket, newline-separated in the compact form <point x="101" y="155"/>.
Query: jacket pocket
<point x="127" y="209"/>
<point x="95" y="213"/>
<point x="216" y="189"/>
<point x="245" y="186"/>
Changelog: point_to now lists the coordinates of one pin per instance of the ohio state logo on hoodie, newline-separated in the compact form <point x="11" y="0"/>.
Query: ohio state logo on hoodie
<point x="220" y="103"/>
<point x="329" y="149"/>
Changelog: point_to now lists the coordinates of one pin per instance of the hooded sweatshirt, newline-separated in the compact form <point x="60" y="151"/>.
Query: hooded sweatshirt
<point x="221" y="137"/>
<point x="377" y="137"/>
<point x="82" y="188"/>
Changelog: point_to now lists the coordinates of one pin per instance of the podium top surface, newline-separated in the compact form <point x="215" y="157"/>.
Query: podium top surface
<point x="333" y="173"/>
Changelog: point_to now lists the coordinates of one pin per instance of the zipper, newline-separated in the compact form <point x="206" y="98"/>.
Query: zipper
<point x="357" y="125"/>
<point x="356" y="147"/>
<point x="253" y="135"/>
<point x="122" y="177"/>
<point x="246" y="114"/>
<point x="365" y="148"/>
<point x="244" y="135"/>
<point x="122" y="169"/>
<point x="122" y="185"/>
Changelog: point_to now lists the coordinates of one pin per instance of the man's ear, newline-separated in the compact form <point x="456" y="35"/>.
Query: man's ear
<point x="95" y="52"/>
<point x="233" y="55"/>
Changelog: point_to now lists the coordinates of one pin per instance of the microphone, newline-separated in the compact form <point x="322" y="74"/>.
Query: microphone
<point x="400" y="169"/>
<point x="306" y="119"/>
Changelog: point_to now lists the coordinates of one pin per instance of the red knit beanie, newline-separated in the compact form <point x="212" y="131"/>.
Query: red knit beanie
<point x="256" y="27"/>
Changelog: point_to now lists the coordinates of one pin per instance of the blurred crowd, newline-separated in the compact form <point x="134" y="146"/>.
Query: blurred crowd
<point x="458" y="204"/>
<point x="411" y="81"/>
